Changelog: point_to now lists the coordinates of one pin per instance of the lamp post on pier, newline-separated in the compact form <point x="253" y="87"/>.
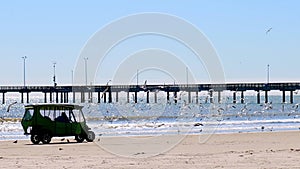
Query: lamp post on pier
<point x="24" y="69"/>
<point x="72" y="77"/>
<point x="268" y="74"/>
<point x="137" y="77"/>
<point x="85" y="67"/>
<point x="187" y="75"/>
<point x="54" y="77"/>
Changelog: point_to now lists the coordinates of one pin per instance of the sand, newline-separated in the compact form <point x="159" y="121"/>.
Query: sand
<point x="240" y="150"/>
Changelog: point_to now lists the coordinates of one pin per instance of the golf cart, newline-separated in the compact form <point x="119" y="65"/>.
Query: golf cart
<point x="44" y="121"/>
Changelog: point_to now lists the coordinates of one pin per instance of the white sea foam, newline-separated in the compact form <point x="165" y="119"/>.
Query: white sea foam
<point x="159" y="119"/>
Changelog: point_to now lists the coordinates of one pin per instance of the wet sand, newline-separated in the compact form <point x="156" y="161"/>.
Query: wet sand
<point x="241" y="150"/>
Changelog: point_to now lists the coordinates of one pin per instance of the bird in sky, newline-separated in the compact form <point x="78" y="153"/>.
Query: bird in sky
<point x="145" y="85"/>
<point x="10" y="105"/>
<point x="268" y="30"/>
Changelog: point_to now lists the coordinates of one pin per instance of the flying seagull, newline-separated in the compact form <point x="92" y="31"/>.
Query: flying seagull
<point x="145" y="85"/>
<point x="106" y="89"/>
<point x="268" y="30"/>
<point x="9" y="106"/>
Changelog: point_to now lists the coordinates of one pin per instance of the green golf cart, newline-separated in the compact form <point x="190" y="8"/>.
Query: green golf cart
<point x="44" y="121"/>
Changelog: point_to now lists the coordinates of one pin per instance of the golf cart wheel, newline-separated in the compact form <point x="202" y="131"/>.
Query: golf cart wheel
<point x="90" y="136"/>
<point x="79" y="138"/>
<point x="46" y="138"/>
<point x="35" y="138"/>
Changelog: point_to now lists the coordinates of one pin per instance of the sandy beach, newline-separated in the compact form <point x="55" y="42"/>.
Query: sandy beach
<point x="241" y="150"/>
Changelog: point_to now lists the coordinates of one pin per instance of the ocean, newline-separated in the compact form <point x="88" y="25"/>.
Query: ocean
<point x="167" y="118"/>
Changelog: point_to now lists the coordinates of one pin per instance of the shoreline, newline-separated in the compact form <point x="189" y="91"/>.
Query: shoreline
<point x="237" y="150"/>
<point x="164" y="135"/>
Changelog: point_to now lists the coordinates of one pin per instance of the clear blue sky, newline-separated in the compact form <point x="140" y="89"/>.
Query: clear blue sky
<point x="57" y="30"/>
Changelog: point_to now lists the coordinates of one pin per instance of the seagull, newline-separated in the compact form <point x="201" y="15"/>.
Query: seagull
<point x="268" y="30"/>
<point x="198" y="124"/>
<point x="145" y="85"/>
<point x="296" y="106"/>
<point x="9" y="106"/>
<point x="106" y="89"/>
<point x="220" y="110"/>
<point x="161" y="125"/>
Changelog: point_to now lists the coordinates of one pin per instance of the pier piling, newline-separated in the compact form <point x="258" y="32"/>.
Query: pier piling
<point x="99" y="97"/>
<point x="147" y="96"/>
<point x="219" y="96"/>
<point x="109" y="96"/>
<point x="211" y="96"/>
<point x="168" y="96"/>
<point x="45" y="97"/>
<point x="258" y="97"/>
<point x="135" y="97"/>
<point x="128" y="97"/>
<point x="22" y="97"/>
<point x="27" y="99"/>
<point x="74" y="97"/>
<point x="56" y="97"/>
<point x="82" y="97"/>
<point x="117" y="97"/>
<point x="50" y="94"/>
<point x="104" y="97"/>
<point x="3" y="98"/>
<point x="61" y="97"/>
<point x="291" y="97"/>
<point x="234" y="97"/>
<point x="266" y="97"/>
<point x="197" y="97"/>
<point x="242" y="97"/>
<point x="67" y="97"/>
<point x="283" y="96"/>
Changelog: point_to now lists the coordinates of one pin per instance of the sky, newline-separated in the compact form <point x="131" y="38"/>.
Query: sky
<point x="56" y="31"/>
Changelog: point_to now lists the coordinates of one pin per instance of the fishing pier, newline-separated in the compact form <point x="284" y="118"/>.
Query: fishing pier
<point x="60" y="94"/>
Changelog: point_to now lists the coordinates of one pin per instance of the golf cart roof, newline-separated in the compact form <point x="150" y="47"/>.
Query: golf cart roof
<point x="65" y="105"/>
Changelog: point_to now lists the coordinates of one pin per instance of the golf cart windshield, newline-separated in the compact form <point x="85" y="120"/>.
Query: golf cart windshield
<point x="28" y="114"/>
<point x="78" y="115"/>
